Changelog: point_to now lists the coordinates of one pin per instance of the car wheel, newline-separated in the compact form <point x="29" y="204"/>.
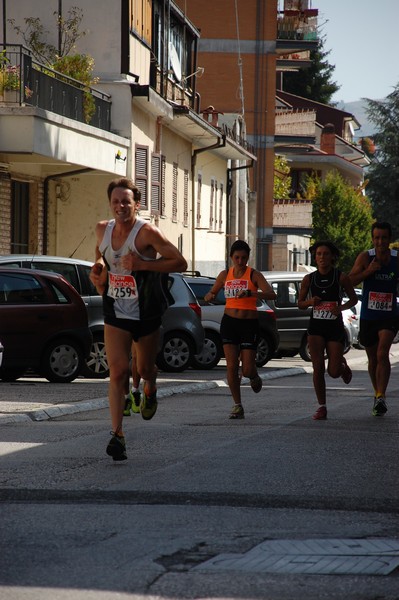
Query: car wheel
<point x="96" y="366"/>
<point x="176" y="352"/>
<point x="10" y="374"/>
<point x="264" y="351"/>
<point x="211" y="354"/>
<point x="62" y="361"/>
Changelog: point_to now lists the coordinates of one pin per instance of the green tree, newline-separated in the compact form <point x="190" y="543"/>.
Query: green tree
<point x="343" y="215"/>
<point x="383" y="173"/>
<point x="63" y="60"/>
<point x="35" y="35"/>
<point x="282" y="180"/>
<point x="315" y="82"/>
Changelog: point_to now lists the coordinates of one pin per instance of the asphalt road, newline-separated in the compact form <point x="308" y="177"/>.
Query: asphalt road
<point x="276" y="506"/>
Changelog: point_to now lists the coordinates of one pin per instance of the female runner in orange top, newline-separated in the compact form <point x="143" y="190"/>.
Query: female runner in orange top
<point x="240" y="327"/>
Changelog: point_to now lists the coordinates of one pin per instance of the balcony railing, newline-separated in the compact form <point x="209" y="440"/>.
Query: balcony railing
<point x="34" y="84"/>
<point x="292" y="213"/>
<point x="296" y="122"/>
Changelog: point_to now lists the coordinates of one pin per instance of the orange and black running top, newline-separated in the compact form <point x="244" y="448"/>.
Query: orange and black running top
<point x="233" y="286"/>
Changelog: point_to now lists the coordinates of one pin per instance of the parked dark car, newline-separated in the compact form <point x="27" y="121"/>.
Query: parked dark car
<point x="183" y="335"/>
<point x="43" y="326"/>
<point x="212" y="313"/>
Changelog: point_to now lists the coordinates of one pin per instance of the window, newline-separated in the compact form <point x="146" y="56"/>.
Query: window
<point x="141" y="18"/>
<point x="21" y="289"/>
<point x="185" y="198"/>
<point x="287" y="294"/>
<point x="141" y="179"/>
<point x="201" y="289"/>
<point x="19" y="217"/>
<point x="174" y="193"/>
<point x="156" y="189"/>
<point x="221" y="207"/>
<point x="199" y="190"/>
<point x="163" y="201"/>
<point x="211" y="205"/>
<point x="65" y="269"/>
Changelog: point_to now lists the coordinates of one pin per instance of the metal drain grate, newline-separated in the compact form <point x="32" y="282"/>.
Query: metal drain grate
<point x="373" y="556"/>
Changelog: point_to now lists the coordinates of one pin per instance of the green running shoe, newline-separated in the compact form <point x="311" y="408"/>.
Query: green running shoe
<point x="237" y="412"/>
<point x="380" y="407"/>
<point x="135" y="398"/>
<point x="148" y="405"/>
<point x="117" y="447"/>
<point x="128" y="406"/>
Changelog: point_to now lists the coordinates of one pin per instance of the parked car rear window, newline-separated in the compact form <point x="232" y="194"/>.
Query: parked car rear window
<point x="200" y="289"/>
<point x="59" y="295"/>
<point x="20" y="289"/>
<point x="286" y="293"/>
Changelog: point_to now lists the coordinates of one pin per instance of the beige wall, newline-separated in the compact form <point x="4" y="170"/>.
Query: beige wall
<point x="209" y="246"/>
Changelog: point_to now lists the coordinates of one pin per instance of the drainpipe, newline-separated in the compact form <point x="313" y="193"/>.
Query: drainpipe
<point x="228" y="203"/>
<point x="45" y="199"/>
<point x="4" y="23"/>
<point x="59" y="27"/>
<point x="221" y="143"/>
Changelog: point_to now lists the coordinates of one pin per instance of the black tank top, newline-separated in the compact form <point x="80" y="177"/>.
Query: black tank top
<point x="327" y="287"/>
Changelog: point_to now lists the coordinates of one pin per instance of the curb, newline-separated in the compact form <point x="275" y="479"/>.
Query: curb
<point x="52" y="412"/>
<point x="98" y="403"/>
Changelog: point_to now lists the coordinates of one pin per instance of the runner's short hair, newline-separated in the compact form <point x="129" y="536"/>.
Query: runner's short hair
<point x="239" y="245"/>
<point x="124" y="182"/>
<point x="333" y="248"/>
<point x="381" y="225"/>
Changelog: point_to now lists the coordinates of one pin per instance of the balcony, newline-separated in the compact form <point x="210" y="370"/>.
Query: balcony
<point x="297" y="30"/>
<point x="36" y="85"/>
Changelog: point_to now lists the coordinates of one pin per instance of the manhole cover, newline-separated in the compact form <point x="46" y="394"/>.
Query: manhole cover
<point x="374" y="556"/>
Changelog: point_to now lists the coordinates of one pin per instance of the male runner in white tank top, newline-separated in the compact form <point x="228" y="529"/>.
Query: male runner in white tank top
<point x="133" y="258"/>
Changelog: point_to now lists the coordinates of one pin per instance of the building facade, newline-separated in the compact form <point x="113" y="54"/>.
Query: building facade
<point x="148" y="125"/>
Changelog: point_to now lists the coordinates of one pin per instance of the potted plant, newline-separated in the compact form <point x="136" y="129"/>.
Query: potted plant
<point x="10" y="80"/>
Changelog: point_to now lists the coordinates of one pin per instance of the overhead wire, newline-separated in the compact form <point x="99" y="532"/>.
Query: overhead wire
<point x="240" y="66"/>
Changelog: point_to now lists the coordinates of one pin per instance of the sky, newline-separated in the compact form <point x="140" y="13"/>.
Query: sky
<point x="363" y="36"/>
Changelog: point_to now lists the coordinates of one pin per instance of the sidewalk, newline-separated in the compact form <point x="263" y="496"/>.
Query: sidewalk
<point x="34" y="399"/>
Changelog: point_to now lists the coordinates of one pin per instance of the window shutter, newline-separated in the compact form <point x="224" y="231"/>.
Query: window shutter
<point x="141" y="180"/>
<point x="155" y="184"/>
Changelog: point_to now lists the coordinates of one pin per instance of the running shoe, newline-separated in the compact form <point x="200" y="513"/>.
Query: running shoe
<point x="135" y="398"/>
<point x="256" y="384"/>
<point x="347" y="374"/>
<point x="380" y="407"/>
<point x="237" y="412"/>
<point x="128" y="406"/>
<point x="117" y="447"/>
<point x="320" y="414"/>
<point x="148" y="405"/>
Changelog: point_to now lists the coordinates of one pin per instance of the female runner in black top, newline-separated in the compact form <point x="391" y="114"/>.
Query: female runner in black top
<point x="323" y="291"/>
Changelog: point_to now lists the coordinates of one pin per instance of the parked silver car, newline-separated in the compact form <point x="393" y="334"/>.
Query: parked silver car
<point x="182" y="332"/>
<point x="212" y="313"/>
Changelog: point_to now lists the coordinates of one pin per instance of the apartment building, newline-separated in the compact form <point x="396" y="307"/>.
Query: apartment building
<point x="243" y="45"/>
<point x="148" y="124"/>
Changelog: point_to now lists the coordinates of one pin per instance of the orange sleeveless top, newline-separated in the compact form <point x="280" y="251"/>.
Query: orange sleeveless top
<point x="233" y="286"/>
